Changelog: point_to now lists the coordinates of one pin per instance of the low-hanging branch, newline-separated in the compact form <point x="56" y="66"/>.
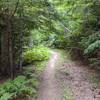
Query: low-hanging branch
<point x="67" y="29"/>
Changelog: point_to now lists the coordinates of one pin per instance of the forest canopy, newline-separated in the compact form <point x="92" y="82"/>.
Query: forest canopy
<point x="67" y="24"/>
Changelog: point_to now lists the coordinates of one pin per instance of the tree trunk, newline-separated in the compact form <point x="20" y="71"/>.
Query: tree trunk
<point x="10" y="47"/>
<point x="5" y="49"/>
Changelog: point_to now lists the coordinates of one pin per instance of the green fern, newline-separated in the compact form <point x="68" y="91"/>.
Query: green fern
<point x="6" y="96"/>
<point x="19" y="86"/>
<point x="91" y="48"/>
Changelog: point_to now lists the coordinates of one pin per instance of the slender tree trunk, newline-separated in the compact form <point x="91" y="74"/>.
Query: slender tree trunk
<point x="5" y="49"/>
<point x="20" y="52"/>
<point x="10" y="47"/>
<point x="21" y="45"/>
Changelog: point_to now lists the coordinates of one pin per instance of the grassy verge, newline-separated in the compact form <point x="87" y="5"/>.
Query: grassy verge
<point x="33" y="72"/>
<point x="95" y="81"/>
<point x="64" y="54"/>
<point x="40" y="65"/>
<point x="21" y="88"/>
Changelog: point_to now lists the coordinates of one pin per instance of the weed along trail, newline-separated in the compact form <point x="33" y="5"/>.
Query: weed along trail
<point x="49" y="87"/>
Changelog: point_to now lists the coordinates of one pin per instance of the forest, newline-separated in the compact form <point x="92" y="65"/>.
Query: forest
<point x="33" y="33"/>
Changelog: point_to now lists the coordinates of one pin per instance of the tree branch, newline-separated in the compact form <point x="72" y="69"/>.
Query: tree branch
<point x="65" y="27"/>
<point x="15" y="9"/>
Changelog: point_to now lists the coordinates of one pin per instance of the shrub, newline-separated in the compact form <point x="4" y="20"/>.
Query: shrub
<point x="19" y="86"/>
<point x="39" y="53"/>
<point x="93" y="47"/>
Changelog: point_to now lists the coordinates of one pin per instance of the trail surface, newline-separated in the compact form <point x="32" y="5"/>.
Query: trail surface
<point x="78" y="81"/>
<point x="49" y="86"/>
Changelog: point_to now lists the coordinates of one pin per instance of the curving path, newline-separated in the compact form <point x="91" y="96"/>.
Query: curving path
<point x="49" y="86"/>
<point x="76" y="80"/>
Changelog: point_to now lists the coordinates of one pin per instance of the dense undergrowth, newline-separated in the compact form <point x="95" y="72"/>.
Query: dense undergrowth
<point x="82" y="18"/>
<point x="25" y="86"/>
<point x="20" y="87"/>
<point x="38" y="53"/>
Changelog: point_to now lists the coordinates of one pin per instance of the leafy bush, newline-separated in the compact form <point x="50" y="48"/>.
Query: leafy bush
<point x="18" y="86"/>
<point x="39" y="53"/>
<point x="92" y="51"/>
<point x="94" y="46"/>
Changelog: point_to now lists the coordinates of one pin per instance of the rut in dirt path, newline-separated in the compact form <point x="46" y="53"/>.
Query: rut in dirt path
<point x="49" y="87"/>
<point x="78" y="81"/>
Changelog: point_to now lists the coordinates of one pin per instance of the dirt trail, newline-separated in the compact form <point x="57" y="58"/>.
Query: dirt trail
<point x="78" y="81"/>
<point x="49" y="86"/>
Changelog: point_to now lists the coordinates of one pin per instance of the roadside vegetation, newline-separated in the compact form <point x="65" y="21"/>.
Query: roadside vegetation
<point x="30" y="29"/>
